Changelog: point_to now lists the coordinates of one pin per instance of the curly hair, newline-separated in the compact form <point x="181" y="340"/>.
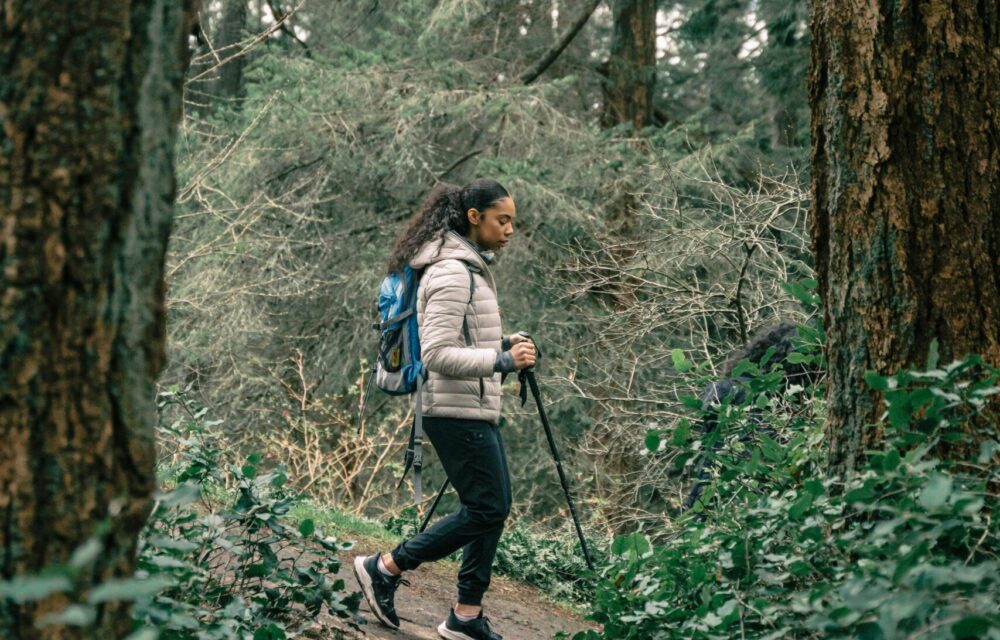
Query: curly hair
<point x="445" y="209"/>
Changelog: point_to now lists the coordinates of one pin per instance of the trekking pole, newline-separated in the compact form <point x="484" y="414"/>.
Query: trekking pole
<point x="529" y="375"/>
<point x="430" y="512"/>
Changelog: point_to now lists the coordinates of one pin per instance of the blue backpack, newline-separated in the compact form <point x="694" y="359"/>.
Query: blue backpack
<point x="398" y="369"/>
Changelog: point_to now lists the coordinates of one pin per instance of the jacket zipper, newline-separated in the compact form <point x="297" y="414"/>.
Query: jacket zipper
<point x="482" y="389"/>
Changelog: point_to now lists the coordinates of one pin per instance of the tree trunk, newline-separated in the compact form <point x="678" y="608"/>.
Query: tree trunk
<point x="229" y="84"/>
<point x="630" y="72"/>
<point x="90" y="99"/>
<point x="905" y="109"/>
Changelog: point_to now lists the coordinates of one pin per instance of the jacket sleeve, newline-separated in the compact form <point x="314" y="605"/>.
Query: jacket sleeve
<point x="442" y="343"/>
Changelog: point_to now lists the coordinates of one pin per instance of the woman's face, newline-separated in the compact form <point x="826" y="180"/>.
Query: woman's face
<point x="493" y="227"/>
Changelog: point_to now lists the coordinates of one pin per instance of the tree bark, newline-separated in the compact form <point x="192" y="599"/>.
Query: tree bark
<point x="630" y="71"/>
<point x="90" y="100"/>
<point x="232" y="25"/>
<point x="905" y="105"/>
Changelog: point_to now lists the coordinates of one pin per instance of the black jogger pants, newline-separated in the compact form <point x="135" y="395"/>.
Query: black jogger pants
<point x="472" y="454"/>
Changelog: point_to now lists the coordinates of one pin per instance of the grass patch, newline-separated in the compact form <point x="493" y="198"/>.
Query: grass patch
<point x="343" y="525"/>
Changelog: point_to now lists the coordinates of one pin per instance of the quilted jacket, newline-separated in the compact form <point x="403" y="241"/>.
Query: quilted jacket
<point x="461" y="382"/>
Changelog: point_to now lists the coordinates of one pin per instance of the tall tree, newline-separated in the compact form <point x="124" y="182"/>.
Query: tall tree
<point x="90" y="99"/>
<point x="630" y="71"/>
<point x="781" y="67"/>
<point x="232" y="27"/>
<point x="906" y="194"/>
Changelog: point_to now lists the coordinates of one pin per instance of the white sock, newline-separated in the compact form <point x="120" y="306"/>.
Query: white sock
<point x="382" y="568"/>
<point x="465" y="618"/>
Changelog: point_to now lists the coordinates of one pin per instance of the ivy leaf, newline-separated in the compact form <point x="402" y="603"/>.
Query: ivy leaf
<point x="971" y="627"/>
<point x="131" y="589"/>
<point x="771" y="449"/>
<point x="932" y="355"/>
<point x="891" y="460"/>
<point x="681" y="363"/>
<point x="799" y="358"/>
<point x="270" y="632"/>
<point x="935" y="492"/>
<point x="75" y="615"/>
<point x="987" y="450"/>
<point x="875" y="381"/>
<point x="652" y="440"/>
<point x="184" y="494"/>
<point x="908" y="561"/>
<point x="682" y="433"/>
<point x="636" y="545"/>
<point x="691" y="402"/>
<point x="307" y="527"/>
<point x="862" y="494"/>
<point x="815" y="487"/>
<point x="86" y="553"/>
<point x="800" y="506"/>
<point x="744" y="366"/>
<point x="23" y="589"/>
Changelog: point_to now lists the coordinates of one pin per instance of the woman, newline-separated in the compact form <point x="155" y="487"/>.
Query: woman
<point x="452" y="238"/>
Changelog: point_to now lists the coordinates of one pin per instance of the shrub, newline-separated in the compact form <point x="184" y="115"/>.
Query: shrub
<point x="217" y="559"/>
<point x="236" y="568"/>
<point x="907" y="547"/>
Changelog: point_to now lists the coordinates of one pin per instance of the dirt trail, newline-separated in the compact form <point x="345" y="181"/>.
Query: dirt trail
<point x="516" y="611"/>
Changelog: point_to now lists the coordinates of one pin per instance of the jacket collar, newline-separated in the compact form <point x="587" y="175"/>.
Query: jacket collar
<point x="455" y="246"/>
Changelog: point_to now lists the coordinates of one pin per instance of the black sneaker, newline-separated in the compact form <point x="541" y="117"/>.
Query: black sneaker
<point x="379" y="589"/>
<point x="477" y="629"/>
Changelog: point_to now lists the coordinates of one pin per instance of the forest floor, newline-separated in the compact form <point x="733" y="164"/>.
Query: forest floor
<point x="516" y="611"/>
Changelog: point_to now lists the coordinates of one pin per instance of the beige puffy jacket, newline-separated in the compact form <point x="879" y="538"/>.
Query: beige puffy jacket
<point x="461" y="382"/>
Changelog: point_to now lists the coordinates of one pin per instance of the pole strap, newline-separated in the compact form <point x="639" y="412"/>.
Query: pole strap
<point x="418" y="443"/>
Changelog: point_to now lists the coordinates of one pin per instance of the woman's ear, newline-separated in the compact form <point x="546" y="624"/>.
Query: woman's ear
<point x="474" y="216"/>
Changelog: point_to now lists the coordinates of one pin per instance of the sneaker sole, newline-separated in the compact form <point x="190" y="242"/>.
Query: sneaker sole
<point x="448" y="634"/>
<point x="366" y="588"/>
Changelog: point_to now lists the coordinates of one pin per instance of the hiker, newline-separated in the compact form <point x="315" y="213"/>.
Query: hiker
<point x="452" y="237"/>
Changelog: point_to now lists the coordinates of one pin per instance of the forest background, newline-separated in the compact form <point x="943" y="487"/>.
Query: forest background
<point x="687" y="174"/>
<point x="642" y="228"/>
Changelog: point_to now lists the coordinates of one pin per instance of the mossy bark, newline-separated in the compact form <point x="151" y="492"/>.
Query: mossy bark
<point x="630" y="71"/>
<point x="905" y="102"/>
<point x="90" y="100"/>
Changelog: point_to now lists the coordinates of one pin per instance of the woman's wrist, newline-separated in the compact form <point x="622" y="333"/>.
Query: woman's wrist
<point x="504" y="363"/>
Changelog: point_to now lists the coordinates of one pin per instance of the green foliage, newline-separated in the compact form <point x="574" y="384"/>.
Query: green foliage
<point x="234" y="566"/>
<point x="218" y="558"/>
<point x="908" y="547"/>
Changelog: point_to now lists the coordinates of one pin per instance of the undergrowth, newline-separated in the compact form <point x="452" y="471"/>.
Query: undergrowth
<point x="775" y="547"/>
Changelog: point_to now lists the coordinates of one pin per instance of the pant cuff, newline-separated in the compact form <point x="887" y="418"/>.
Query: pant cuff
<point x="403" y="561"/>
<point x="470" y="598"/>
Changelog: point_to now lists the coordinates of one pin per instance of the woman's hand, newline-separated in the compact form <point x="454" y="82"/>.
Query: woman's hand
<point x="523" y="352"/>
<point x="516" y="338"/>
